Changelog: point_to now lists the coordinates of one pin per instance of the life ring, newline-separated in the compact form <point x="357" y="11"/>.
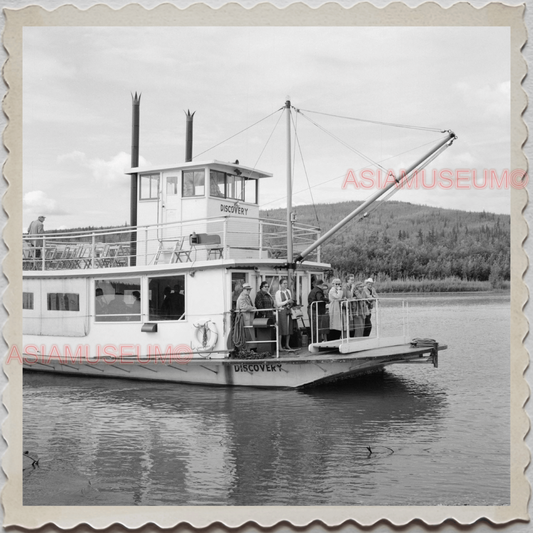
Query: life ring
<point x="205" y="337"/>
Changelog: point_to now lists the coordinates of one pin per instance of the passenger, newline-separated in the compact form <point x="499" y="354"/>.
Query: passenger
<point x="335" y="315"/>
<point x="371" y="294"/>
<point x="37" y="228"/>
<point x="360" y="309"/>
<point x="317" y="311"/>
<point x="136" y="306"/>
<point x="236" y="293"/>
<point x="263" y="300"/>
<point x="350" y="308"/>
<point x="100" y="304"/>
<point x="284" y="302"/>
<point x="247" y="309"/>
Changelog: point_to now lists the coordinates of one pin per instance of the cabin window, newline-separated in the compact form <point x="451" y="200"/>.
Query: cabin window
<point x="117" y="300"/>
<point x="27" y="300"/>
<point x="233" y="187"/>
<point x="218" y="184"/>
<point x="150" y="187"/>
<point x="172" y="185"/>
<point x="167" y="298"/>
<point x="250" y="191"/>
<point x="193" y="183"/>
<point x="63" y="301"/>
<point x="238" y="279"/>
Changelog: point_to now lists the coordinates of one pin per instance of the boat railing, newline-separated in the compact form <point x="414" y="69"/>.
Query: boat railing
<point x="387" y="317"/>
<point x="175" y="242"/>
<point x="263" y="328"/>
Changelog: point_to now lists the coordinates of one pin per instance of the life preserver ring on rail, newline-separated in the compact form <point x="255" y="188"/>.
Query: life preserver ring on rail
<point x="205" y="337"/>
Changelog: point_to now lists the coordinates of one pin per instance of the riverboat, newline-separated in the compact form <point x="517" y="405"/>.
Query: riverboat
<point x="156" y="300"/>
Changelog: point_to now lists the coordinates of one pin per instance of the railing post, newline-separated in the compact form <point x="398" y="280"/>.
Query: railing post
<point x="146" y="245"/>
<point x="377" y="318"/>
<point x="277" y="333"/>
<point x="260" y="238"/>
<point x="93" y="249"/>
<point x="225" y="239"/>
<point x="43" y="253"/>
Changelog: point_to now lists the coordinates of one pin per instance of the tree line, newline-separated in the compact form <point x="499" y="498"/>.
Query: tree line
<point x="400" y="240"/>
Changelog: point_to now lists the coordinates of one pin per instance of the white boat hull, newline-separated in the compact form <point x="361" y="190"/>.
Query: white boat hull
<point x="285" y="372"/>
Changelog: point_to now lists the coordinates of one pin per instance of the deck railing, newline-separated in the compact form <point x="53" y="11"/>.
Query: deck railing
<point x="194" y="240"/>
<point x="389" y="318"/>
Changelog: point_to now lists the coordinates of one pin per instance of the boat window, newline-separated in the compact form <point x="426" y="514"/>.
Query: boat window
<point x="193" y="183"/>
<point x="250" y="191"/>
<point x="172" y="185"/>
<point x="167" y="298"/>
<point x="63" y="301"/>
<point x="238" y="279"/>
<point x="225" y="185"/>
<point x="117" y="300"/>
<point x="150" y="187"/>
<point x="27" y="300"/>
<point x="218" y="184"/>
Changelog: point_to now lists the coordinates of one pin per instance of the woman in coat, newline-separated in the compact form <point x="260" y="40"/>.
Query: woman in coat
<point x="335" y="314"/>
<point x="284" y="301"/>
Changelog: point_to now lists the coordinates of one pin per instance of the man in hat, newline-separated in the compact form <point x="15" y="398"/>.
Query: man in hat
<point x="37" y="228"/>
<point x="247" y="309"/>
<point x="372" y="296"/>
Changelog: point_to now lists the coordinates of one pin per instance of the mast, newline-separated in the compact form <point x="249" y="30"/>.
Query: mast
<point x="440" y="146"/>
<point x="289" y="186"/>
<point x="135" y="120"/>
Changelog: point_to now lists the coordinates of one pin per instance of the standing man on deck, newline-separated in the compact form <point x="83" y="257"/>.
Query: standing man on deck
<point x="372" y="296"/>
<point x="37" y="228"/>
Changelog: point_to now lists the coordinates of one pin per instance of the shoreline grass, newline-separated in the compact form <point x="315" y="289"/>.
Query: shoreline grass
<point x="438" y="285"/>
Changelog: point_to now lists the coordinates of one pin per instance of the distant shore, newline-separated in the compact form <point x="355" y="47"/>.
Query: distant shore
<point x="439" y="285"/>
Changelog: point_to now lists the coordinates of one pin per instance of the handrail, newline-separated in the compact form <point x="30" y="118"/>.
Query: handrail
<point x="140" y="244"/>
<point x="378" y="324"/>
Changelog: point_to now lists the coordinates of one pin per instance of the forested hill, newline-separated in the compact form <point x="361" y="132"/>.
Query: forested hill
<point x="401" y="240"/>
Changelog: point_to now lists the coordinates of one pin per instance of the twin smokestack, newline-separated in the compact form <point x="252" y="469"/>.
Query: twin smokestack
<point x="136" y="104"/>
<point x="134" y="191"/>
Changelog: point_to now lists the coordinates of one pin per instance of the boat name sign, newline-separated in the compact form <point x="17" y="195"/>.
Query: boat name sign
<point x="258" y="367"/>
<point x="225" y="208"/>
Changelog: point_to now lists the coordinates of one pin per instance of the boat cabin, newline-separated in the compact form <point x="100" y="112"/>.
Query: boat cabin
<point x="207" y="209"/>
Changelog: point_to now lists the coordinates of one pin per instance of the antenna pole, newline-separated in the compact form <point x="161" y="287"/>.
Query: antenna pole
<point x="289" y="187"/>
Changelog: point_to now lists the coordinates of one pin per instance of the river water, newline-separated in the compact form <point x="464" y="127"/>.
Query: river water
<point x="436" y="436"/>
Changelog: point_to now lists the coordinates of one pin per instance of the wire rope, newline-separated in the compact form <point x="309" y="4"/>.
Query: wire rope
<point x="238" y="133"/>
<point x="391" y="124"/>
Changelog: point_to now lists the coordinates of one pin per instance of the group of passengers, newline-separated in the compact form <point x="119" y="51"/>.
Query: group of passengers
<point x="342" y="310"/>
<point x="117" y="304"/>
<point x="334" y="312"/>
<point x="264" y="305"/>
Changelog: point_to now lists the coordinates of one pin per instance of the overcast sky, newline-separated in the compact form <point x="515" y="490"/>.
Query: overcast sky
<point x="77" y="109"/>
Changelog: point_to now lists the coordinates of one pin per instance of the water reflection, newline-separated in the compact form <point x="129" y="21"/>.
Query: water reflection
<point x="161" y="443"/>
<point x="118" y="442"/>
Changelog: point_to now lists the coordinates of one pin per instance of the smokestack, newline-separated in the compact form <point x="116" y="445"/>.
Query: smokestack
<point x="188" y="136"/>
<point x="135" y="122"/>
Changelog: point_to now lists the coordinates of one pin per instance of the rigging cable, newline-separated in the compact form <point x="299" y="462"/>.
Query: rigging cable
<point x="305" y="171"/>
<point x="345" y="144"/>
<point x="340" y="176"/>
<point x="268" y="140"/>
<point x="394" y="190"/>
<point x="392" y="124"/>
<point x="238" y="133"/>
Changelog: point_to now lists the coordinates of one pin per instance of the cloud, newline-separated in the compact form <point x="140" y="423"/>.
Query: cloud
<point x="492" y="99"/>
<point x="40" y="204"/>
<point x="109" y="172"/>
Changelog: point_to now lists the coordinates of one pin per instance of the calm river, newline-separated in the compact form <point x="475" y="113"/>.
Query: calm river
<point x="438" y="436"/>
